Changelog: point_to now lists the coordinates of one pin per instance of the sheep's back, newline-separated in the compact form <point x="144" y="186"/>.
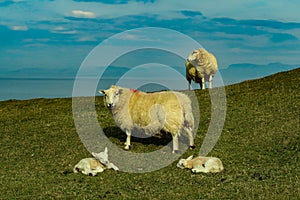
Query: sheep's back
<point x="213" y="60"/>
<point x="208" y="67"/>
<point x="168" y="103"/>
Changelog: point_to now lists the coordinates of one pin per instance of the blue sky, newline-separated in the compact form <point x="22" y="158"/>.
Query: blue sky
<point x="59" y="34"/>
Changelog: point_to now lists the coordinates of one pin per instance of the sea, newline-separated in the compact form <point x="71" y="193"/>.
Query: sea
<point x="17" y="88"/>
<point x="32" y="88"/>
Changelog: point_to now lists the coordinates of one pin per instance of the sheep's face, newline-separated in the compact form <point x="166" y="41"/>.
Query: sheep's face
<point x="102" y="156"/>
<point x="111" y="96"/>
<point x="198" y="57"/>
<point x="185" y="163"/>
<point x="182" y="163"/>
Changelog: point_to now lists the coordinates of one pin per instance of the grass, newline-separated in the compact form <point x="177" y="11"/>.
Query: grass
<point x="259" y="147"/>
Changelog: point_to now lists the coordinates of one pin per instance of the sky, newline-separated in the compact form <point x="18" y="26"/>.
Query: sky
<point x="59" y="34"/>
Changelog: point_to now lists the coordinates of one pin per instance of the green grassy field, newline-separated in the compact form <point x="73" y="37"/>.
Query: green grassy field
<point x="259" y="147"/>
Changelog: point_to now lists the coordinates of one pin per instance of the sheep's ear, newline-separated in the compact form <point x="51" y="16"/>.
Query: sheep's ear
<point x="94" y="154"/>
<point x="190" y="158"/>
<point x="120" y="91"/>
<point x="101" y="91"/>
<point x="106" y="150"/>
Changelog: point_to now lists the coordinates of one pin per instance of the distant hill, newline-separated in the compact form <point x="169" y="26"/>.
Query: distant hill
<point x="37" y="73"/>
<point x="235" y="73"/>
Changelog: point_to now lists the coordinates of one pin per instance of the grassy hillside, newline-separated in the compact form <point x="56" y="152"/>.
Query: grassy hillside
<point x="259" y="147"/>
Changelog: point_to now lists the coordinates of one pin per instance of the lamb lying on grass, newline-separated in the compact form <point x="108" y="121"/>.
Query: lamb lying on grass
<point x="201" y="164"/>
<point x="201" y="66"/>
<point x="89" y="166"/>
<point x="92" y="166"/>
<point x="149" y="113"/>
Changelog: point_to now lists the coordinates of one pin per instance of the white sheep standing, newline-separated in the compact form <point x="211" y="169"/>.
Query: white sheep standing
<point x="201" y="66"/>
<point x="136" y="111"/>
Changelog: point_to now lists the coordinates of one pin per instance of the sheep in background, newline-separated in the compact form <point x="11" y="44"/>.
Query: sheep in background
<point x="136" y="111"/>
<point x="201" y="66"/>
<point x="201" y="164"/>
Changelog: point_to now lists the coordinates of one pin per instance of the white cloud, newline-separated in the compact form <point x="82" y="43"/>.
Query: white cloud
<point x="19" y="28"/>
<point x="83" y="14"/>
<point x="59" y="28"/>
<point x="285" y="10"/>
<point x="68" y="32"/>
<point x="63" y="30"/>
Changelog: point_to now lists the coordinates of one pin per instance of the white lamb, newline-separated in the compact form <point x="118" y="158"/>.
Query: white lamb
<point x="92" y="166"/>
<point x="136" y="111"/>
<point x="201" y="66"/>
<point x="201" y="164"/>
<point x="89" y="166"/>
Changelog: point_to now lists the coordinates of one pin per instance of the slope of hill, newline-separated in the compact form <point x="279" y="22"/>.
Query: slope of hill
<point x="259" y="147"/>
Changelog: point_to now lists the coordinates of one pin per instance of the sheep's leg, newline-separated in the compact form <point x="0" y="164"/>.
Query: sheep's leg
<point x="127" y="143"/>
<point x="189" y="84"/>
<point x="200" y="169"/>
<point x="203" y="83"/>
<point x="175" y="143"/>
<point x="191" y="138"/>
<point x="210" y="81"/>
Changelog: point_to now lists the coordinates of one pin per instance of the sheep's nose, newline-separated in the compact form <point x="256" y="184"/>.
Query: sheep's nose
<point x="109" y="105"/>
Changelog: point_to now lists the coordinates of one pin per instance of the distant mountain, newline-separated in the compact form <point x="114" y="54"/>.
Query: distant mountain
<point x="37" y="73"/>
<point x="236" y="73"/>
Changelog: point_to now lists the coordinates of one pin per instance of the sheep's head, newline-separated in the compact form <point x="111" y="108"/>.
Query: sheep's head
<point x="111" y="95"/>
<point x="199" y="57"/>
<point x="185" y="163"/>
<point x="102" y="156"/>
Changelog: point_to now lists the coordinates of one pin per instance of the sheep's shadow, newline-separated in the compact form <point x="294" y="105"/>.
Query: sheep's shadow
<point x="159" y="139"/>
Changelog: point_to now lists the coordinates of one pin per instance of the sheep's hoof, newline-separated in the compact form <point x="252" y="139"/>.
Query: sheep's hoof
<point x="127" y="147"/>
<point x="192" y="147"/>
<point x="175" y="151"/>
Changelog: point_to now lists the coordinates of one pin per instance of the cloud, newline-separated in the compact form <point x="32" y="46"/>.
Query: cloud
<point x="190" y="13"/>
<point x="9" y="2"/>
<point x="251" y="9"/>
<point x="274" y="24"/>
<point x="237" y="31"/>
<point x="282" y="37"/>
<point x="19" y="28"/>
<point x="115" y="1"/>
<point x="83" y="14"/>
<point x="105" y="1"/>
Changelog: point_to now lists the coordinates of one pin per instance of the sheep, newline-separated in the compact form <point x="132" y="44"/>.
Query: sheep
<point x="148" y="113"/>
<point x="92" y="166"/>
<point x="201" y="164"/>
<point x="201" y="66"/>
<point x="89" y="166"/>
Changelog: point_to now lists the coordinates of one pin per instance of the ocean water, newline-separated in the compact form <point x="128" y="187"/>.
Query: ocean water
<point x="23" y="89"/>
